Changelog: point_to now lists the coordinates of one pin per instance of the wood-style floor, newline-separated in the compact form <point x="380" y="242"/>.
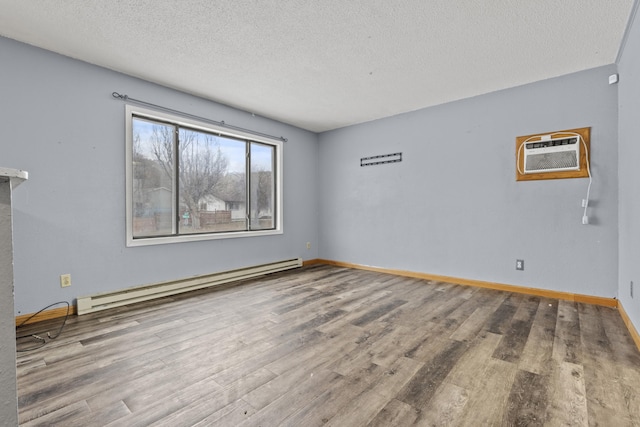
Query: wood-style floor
<point x="333" y="346"/>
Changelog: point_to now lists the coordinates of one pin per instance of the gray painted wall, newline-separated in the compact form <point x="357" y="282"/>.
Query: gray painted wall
<point x="61" y="124"/>
<point x="629" y="173"/>
<point x="452" y="206"/>
<point x="8" y="396"/>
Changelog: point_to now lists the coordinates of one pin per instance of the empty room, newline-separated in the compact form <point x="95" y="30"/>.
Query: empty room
<point x="241" y="213"/>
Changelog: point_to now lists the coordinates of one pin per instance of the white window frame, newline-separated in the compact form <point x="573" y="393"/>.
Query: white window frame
<point x="132" y="111"/>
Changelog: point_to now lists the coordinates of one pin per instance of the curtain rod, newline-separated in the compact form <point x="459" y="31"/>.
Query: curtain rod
<point x="192" y="116"/>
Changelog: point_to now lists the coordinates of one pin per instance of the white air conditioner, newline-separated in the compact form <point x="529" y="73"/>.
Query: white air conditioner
<point x="552" y="155"/>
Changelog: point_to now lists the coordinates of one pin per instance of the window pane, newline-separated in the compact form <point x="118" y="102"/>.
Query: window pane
<point x="262" y="186"/>
<point x="153" y="189"/>
<point x="212" y="183"/>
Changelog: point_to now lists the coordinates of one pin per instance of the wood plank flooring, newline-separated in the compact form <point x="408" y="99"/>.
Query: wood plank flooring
<point x="333" y="346"/>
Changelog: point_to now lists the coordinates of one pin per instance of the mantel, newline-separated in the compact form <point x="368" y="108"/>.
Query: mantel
<point x="16" y="176"/>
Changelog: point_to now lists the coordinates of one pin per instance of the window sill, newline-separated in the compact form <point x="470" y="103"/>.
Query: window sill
<point x="150" y="241"/>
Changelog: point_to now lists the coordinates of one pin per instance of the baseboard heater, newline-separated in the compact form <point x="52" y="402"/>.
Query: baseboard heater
<point x="103" y="301"/>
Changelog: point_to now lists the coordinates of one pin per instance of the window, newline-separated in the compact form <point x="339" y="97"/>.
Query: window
<point x="193" y="181"/>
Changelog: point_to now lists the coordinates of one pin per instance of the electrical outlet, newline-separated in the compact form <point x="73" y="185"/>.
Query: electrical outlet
<point x="519" y="264"/>
<point x="65" y="280"/>
<point x="308" y="245"/>
<point x="631" y="288"/>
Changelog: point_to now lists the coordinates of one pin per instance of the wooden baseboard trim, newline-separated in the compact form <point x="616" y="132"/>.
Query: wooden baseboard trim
<point x="588" y="299"/>
<point x="627" y="321"/>
<point x="54" y="313"/>
<point x="312" y="262"/>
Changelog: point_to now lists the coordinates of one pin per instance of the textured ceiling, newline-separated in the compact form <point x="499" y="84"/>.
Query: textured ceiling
<point x="325" y="64"/>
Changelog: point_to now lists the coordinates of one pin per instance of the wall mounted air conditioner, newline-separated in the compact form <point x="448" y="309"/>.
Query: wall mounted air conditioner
<point x="552" y="155"/>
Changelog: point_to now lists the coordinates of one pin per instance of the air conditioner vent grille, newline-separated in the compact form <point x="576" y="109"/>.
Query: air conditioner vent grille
<point x="553" y="161"/>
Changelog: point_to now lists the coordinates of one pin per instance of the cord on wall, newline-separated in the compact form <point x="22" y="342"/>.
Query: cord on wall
<point x="585" y="202"/>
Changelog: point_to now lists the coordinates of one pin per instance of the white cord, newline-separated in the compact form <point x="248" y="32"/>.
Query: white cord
<point x="586" y="156"/>
<point x="586" y="153"/>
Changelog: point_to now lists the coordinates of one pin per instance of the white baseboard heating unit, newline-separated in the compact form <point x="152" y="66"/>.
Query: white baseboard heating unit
<point x="103" y="301"/>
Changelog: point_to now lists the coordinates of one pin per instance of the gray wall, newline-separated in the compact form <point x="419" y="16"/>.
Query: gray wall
<point x="61" y="124"/>
<point x="452" y="206"/>
<point x="629" y="173"/>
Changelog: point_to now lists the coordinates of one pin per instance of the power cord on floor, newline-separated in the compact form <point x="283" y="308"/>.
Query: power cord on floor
<point x="41" y="342"/>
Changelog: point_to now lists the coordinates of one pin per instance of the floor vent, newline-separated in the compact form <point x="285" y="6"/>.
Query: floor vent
<point x="103" y="301"/>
